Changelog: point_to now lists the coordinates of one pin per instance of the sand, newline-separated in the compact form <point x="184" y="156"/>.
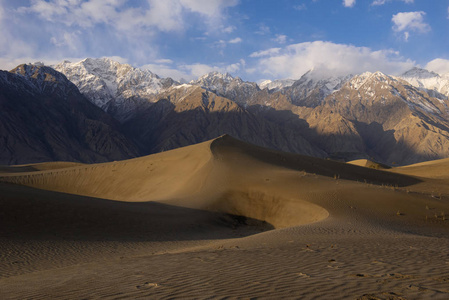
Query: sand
<point x="224" y="219"/>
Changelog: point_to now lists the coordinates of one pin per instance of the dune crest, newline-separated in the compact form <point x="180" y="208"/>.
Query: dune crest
<point x="217" y="175"/>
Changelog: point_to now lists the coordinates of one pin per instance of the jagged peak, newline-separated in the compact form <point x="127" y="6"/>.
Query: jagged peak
<point x="276" y="84"/>
<point x="419" y="73"/>
<point x="217" y="75"/>
<point x="45" y="79"/>
<point x="39" y="71"/>
<point x="371" y="78"/>
<point x="378" y="75"/>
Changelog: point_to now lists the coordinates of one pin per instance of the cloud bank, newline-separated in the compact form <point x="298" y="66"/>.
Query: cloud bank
<point x="438" y="65"/>
<point x="328" y="58"/>
<point x="59" y="29"/>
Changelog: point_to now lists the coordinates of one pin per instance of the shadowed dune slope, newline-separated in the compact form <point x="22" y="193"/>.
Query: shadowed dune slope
<point x="191" y="177"/>
<point x="223" y="174"/>
<point x="158" y="227"/>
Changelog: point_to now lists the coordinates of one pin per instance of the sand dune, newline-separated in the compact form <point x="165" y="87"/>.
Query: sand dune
<point x="224" y="219"/>
<point x="369" y="164"/>
<point x="431" y="169"/>
<point x="37" y="167"/>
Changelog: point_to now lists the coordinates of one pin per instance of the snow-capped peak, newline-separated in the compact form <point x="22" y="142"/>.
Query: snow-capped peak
<point x="228" y="86"/>
<point x="110" y="84"/>
<point x="214" y="79"/>
<point x="429" y="81"/>
<point x="45" y="78"/>
<point x="275" y="85"/>
<point x="217" y="75"/>
<point x="418" y="73"/>
<point x="314" y="86"/>
<point x="368" y="77"/>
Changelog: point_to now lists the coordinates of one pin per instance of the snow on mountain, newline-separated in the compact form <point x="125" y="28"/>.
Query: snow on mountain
<point x="383" y="89"/>
<point x="276" y="85"/>
<point x="432" y="82"/>
<point x="313" y="87"/>
<point x="116" y="88"/>
<point x="46" y="118"/>
<point x="45" y="79"/>
<point x="225" y="85"/>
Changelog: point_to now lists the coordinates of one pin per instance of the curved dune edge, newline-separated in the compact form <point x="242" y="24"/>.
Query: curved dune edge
<point x="369" y="164"/>
<point x="224" y="175"/>
<point x="275" y="210"/>
<point x="193" y="177"/>
<point x="430" y="169"/>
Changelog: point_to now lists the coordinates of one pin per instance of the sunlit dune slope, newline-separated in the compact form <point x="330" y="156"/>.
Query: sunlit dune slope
<point x="38" y="167"/>
<point x="231" y="176"/>
<point x="430" y="169"/>
<point x="368" y="164"/>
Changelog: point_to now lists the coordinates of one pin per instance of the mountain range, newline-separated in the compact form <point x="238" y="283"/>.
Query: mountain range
<point x="99" y="110"/>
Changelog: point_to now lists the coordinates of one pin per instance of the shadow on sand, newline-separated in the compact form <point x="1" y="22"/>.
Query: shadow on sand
<point x="29" y="213"/>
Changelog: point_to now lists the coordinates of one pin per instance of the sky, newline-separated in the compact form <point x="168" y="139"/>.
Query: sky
<point x="253" y="39"/>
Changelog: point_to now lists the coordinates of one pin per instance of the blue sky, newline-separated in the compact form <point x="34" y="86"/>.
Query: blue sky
<point x="253" y="39"/>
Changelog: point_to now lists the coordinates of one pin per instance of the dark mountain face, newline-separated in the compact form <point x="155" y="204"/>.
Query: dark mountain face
<point x="375" y="116"/>
<point x="185" y="116"/>
<point x="43" y="117"/>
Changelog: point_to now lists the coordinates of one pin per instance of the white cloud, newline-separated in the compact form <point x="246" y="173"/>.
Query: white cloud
<point x="349" y="3"/>
<point x="167" y="15"/>
<point x="382" y="2"/>
<point x="406" y="35"/>
<point x="9" y="63"/>
<point x="70" y="40"/>
<point x="235" y="41"/>
<point x="210" y="8"/>
<point x="64" y="28"/>
<point x="263" y="29"/>
<point x="438" y="65"/>
<point x="164" y="61"/>
<point x="333" y="59"/>
<point x="410" y="21"/>
<point x="448" y="12"/>
<point x="280" y="38"/>
<point x="267" y="52"/>
<point x="301" y="6"/>
<point x="228" y="29"/>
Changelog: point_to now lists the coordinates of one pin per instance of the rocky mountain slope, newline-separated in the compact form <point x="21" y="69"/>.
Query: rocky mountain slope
<point x="276" y="85"/>
<point x="396" y="122"/>
<point x="392" y="120"/>
<point x="44" y="117"/>
<point x="116" y="88"/>
<point x="190" y="114"/>
<point x="431" y="82"/>
<point x="227" y="86"/>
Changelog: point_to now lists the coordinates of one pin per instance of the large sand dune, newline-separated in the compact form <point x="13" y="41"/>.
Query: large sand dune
<point x="224" y="219"/>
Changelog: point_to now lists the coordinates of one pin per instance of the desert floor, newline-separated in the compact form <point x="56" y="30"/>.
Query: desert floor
<point x="221" y="220"/>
